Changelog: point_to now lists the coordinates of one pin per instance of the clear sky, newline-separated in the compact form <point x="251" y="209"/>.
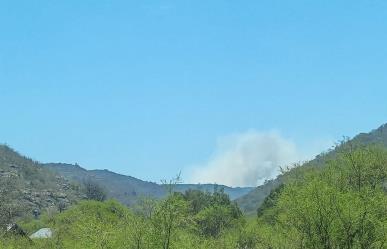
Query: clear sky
<point x="148" y="88"/>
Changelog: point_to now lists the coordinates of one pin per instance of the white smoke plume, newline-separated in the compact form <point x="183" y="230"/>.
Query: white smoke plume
<point x="247" y="159"/>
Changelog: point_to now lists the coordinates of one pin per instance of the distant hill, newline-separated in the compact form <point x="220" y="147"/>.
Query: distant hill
<point x="128" y="189"/>
<point x="35" y="186"/>
<point x="250" y="202"/>
<point x="41" y="186"/>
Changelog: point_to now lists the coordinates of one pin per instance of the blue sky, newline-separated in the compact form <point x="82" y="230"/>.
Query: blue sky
<point x="147" y="88"/>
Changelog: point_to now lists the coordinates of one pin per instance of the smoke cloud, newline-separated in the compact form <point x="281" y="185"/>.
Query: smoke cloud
<point x="246" y="159"/>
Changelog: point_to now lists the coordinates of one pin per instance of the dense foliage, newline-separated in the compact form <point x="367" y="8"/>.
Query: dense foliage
<point x="342" y="205"/>
<point x="180" y="221"/>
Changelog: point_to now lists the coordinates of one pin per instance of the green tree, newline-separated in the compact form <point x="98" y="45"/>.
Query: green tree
<point x="212" y="220"/>
<point x="142" y="222"/>
<point x="170" y="214"/>
<point x="342" y="205"/>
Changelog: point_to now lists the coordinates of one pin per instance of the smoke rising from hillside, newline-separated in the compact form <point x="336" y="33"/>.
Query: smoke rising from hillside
<point x="246" y="159"/>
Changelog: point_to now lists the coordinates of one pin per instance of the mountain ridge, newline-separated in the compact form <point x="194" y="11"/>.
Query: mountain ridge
<point x="128" y="189"/>
<point x="50" y="185"/>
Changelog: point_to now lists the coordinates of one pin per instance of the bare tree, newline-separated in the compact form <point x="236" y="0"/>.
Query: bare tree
<point x="8" y="193"/>
<point x="94" y="191"/>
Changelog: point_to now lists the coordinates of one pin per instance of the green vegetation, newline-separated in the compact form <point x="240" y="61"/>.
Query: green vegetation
<point x="340" y="205"/>
<point x="171" y="223"/>
<point x="338" y="200"/>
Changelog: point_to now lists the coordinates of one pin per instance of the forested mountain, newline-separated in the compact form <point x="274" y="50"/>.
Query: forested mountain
<point x="254" y="199"/>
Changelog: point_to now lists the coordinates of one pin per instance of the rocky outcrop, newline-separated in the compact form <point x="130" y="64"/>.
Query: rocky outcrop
<point x="34" y="186"/>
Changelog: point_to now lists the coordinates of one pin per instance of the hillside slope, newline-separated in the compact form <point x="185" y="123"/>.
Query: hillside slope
<point x="250" y="202"/>
<point x="126" y="189"/>
<point x="34" y="186"/>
